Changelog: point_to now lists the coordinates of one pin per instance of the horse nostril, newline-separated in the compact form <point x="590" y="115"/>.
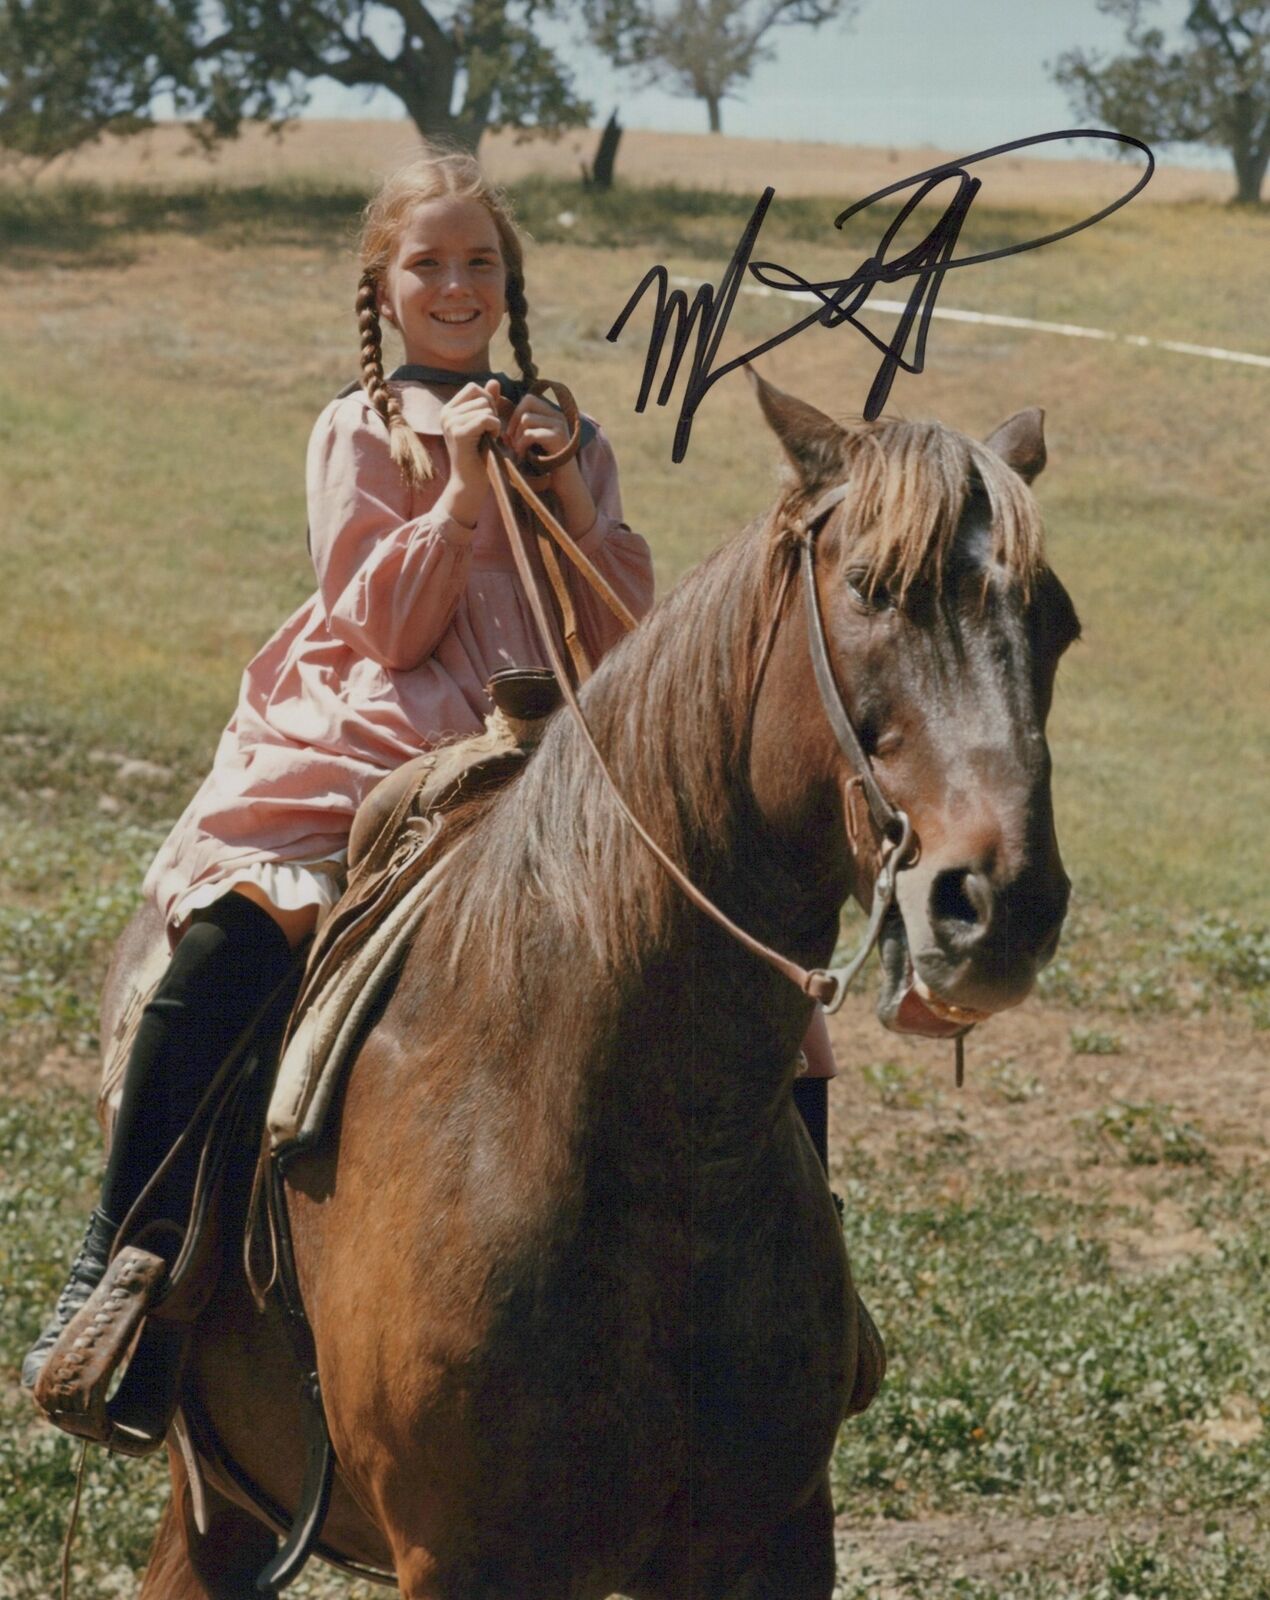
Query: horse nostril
<point x="961" y="896"/>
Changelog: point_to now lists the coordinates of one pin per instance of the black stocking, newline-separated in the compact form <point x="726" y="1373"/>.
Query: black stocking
<point x="227" y="962"/>
<point x="811" y="1096"/>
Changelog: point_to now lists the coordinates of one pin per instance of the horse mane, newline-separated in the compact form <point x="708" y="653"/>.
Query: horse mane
<point x="670" y="708"/>
<point x="910" y="482"/>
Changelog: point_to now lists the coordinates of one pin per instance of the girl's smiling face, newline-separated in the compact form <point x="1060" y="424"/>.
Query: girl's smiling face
<point x="445" y="286"/>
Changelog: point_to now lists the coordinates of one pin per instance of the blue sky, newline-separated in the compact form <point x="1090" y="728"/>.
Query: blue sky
<point x="958" y="74"/>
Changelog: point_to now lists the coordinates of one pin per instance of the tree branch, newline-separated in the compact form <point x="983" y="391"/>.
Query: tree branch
<point x="419" y="20"/>
<point x="1207" y="13"/>
<point x="363" y="61"/>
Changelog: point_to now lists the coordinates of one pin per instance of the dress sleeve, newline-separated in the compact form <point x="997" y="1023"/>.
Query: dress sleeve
<point x="621" y="555"/>
<point x="389" y="581"/>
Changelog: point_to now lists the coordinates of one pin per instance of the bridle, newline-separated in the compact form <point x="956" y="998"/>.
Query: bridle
<point x="827" y="986"/>
<point x="893" y="825"/>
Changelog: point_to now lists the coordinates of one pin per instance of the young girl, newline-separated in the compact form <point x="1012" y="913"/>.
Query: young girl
<point x="417" y="605"/>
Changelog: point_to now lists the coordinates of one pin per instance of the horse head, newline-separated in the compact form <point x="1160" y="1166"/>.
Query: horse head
<point x="944" y="626"/>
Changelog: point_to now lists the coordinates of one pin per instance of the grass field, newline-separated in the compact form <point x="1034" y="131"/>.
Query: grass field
<point x="1069" y="1260"/>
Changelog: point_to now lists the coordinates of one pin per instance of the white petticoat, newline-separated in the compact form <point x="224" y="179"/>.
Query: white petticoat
<point x="289" y="885"/>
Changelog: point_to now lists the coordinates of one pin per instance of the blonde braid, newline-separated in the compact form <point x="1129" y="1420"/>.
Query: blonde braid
<point x="407" y="448"/>
<point x="518" y="329"/>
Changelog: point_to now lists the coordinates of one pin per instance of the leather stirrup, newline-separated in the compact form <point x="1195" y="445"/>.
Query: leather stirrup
<point x="72" y="1387"/>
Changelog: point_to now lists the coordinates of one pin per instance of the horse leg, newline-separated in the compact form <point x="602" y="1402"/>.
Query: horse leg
<point x="796" y="1560"/>
<point x="793" y="1561"/>
<point x="220" y="1564"/>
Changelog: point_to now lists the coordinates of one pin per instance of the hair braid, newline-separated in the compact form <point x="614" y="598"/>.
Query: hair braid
<point x="518" y="328"/>
<point x="407" y="449"/>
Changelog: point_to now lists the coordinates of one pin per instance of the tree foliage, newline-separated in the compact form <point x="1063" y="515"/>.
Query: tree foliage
<point x="71" y="70"/>
<point x="700" y="48"/>
<point x="1213" y="89"/>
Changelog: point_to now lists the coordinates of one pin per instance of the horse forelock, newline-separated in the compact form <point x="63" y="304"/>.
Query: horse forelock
<point x="910" y="483"/>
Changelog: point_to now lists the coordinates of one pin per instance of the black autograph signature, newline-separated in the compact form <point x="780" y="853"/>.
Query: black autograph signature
<point x="840" y="298"/>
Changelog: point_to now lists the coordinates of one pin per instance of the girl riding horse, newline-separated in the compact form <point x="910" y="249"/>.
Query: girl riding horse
<point x="417" y="605"/>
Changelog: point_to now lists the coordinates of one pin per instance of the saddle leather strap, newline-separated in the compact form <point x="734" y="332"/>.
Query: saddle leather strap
<point x="319" y="1452"/>
<point x="583" y="666"/>
<point x="543" y="465"/>
<point x="580" y="660"/>
<point x="564" y="541"/>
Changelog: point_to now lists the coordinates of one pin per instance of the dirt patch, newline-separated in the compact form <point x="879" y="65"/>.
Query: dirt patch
<point x="1034" y="1105"/>
<point x="1166" y="1239"/>
<point x="996" y="1547"/>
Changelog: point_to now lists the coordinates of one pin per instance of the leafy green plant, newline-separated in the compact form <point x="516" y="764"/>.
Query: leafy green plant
<point x="1119" y="1568"/>
<point x="1233" y="953"/>
<point x="1139" y="959"/>
<point x="1012" y="1082"/>
<point x="1094" y="1042"/>
<point x="894" y="1085"/>
<point x="68" y="895"/>
<point x="1002" y="1314"/>
<point x="1148" y="1134"/>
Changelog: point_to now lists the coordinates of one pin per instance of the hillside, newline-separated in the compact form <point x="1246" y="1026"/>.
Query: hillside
<point x="361" y="150"/>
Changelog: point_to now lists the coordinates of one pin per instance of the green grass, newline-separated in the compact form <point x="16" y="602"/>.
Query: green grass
<point x="164" y="353"/>
<point x="82" y="226"/>
<point x="1027" y="1373"/>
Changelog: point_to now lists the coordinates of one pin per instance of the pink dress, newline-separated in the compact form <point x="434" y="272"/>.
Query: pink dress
<point x="413" y="614"/>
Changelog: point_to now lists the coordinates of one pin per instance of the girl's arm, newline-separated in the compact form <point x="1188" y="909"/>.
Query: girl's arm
<point x="389" y="581"/>
<point x="620" y="554"/>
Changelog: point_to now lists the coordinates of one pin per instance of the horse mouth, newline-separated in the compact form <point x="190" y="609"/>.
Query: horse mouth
<point x="906" y="1004"/>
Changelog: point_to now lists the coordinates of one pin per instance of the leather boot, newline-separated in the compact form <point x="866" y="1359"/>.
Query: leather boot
<point x="87" y="1271"/>
<point x="224" y="967"/>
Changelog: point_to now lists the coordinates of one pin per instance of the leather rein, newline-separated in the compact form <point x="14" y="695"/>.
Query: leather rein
<point x="827" y="986"/>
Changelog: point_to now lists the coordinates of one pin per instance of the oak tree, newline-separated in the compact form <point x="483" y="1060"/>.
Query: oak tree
<point x="700" y="48"/>
<point x="1211" y="88"/>
<point x="71" y="70"/>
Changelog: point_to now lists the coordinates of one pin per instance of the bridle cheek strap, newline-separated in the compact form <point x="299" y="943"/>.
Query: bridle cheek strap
<point x="892" y="824"/>
<point x="886" y="819"/>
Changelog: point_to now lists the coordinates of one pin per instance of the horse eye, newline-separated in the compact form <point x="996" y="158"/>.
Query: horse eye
<point x="873" y="596"/>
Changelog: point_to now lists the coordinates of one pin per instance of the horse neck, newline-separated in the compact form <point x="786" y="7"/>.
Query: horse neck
<point x="671" y="711"/>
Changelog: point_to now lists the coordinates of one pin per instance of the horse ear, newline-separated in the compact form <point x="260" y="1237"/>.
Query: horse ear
<point x="1020" y="442"/>
<point x="812" y="441"/>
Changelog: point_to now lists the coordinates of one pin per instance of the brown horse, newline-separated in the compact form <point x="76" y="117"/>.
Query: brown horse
<point x="583" y="1314"/>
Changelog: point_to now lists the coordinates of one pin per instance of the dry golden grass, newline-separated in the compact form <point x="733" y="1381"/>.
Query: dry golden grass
<point x="156" y="484"/>
<point x="362" y="151"/>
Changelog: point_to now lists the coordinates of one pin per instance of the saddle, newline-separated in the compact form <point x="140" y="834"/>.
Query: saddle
<point x="159" y="1281"/>
<point x="425" y="791"/>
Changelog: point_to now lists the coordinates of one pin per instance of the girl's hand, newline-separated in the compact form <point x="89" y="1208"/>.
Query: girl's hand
<point x="536" y="423"/>
<point x="465" y="419"/>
